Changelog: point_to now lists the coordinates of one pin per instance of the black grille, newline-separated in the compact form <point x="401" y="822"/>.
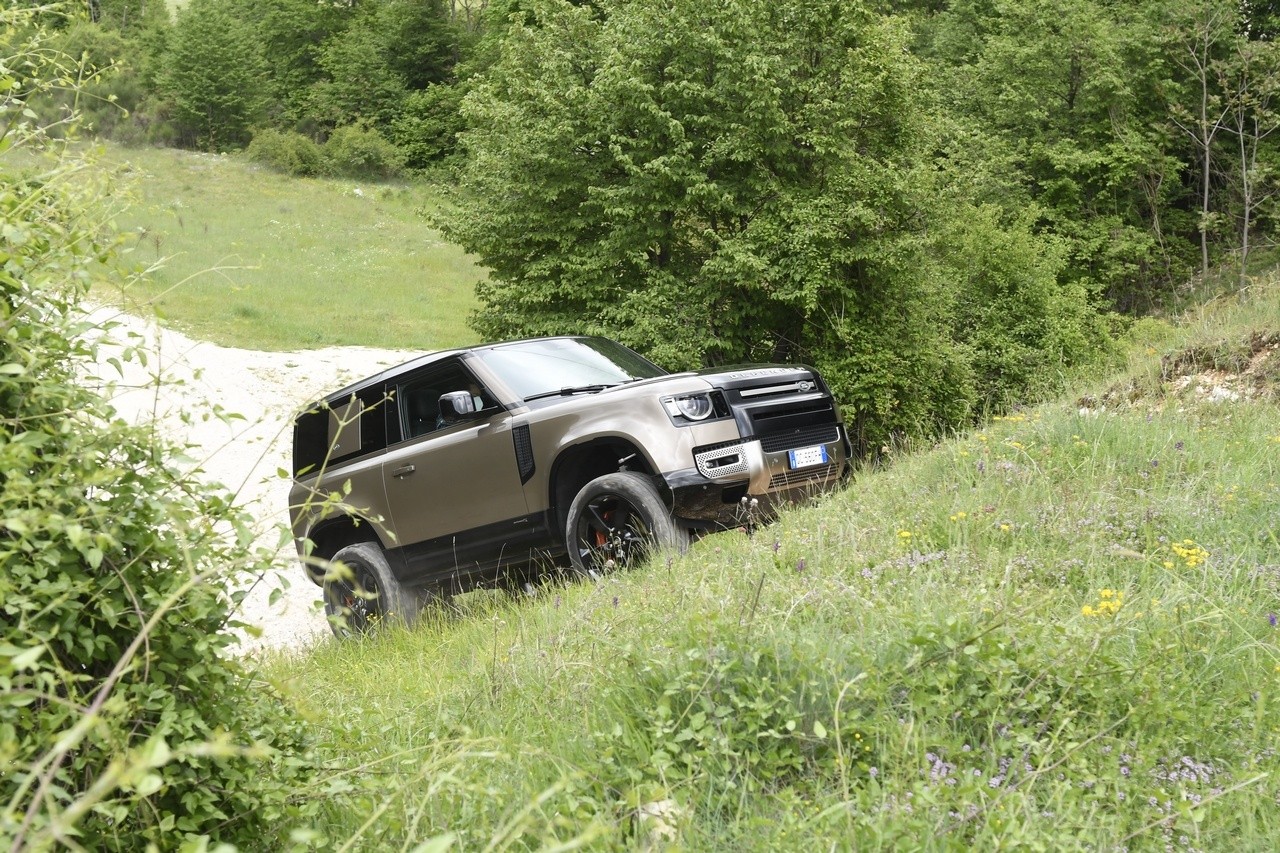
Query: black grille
<point x="524" y="452"/>
<point x="821" y="434"/>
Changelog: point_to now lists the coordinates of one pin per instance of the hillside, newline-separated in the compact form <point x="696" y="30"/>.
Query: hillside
<point x="1057" y="631"/>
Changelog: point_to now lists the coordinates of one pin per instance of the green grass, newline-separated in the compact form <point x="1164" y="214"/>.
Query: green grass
<point x="1055" y="632"/>
<point x="254" y="259"/>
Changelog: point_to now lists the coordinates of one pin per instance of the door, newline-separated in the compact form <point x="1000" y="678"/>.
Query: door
<point x="453" y="485"/>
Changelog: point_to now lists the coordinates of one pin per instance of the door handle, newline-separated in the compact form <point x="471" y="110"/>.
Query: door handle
<point x="403" y="471"/>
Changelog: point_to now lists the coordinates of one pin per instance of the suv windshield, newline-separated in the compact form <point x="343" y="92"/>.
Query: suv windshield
<point x="546" y="367"/>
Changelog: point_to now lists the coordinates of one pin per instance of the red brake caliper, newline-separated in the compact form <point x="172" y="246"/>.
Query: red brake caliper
<point x="601" y="539"/>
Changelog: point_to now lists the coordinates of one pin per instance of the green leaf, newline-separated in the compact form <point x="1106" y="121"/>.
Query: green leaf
<point x="27" y="658"/>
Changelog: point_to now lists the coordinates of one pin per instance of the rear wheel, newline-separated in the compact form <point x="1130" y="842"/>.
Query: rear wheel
<point x="618" y="521"/>
<point x="360" y="592"/>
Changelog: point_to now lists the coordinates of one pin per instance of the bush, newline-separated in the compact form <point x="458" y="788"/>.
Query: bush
<point x="291" y="153"/>
<point x="358" y="152"/>
<point x="124" y="723"/>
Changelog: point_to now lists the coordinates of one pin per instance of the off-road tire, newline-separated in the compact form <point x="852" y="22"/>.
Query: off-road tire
<point x="366" y="594"/>
<point x="618" y="521"/>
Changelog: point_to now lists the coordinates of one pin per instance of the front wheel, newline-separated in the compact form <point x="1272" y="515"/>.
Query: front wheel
<point x="618" y="521"/>
<point x="360" y="592"/>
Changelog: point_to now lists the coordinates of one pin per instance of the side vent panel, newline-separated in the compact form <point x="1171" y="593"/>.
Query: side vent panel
<point x="524" y="452"/>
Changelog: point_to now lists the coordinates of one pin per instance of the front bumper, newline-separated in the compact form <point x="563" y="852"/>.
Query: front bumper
<point x="726" y="478"/>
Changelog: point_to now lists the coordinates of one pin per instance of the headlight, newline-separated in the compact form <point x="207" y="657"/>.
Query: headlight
<point x="695" y="407"/>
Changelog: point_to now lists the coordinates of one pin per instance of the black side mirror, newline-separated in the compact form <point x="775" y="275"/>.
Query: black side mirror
<point x="456" y="405"/>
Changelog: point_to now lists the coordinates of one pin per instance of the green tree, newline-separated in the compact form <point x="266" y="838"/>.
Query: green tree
<point x="214" y="75"/>
<point x="292" y="34"/>
<point x="388" y="49"/>
<point x="1067" y="105"/>
<point x="634" y="169"/>
<point x="721" y="183"/>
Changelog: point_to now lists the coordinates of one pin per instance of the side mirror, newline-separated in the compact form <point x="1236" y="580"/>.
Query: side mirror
<point x="456" y="405"/>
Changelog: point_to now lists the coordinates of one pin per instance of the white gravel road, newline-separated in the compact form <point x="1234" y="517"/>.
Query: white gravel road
<point x="197" y="379"/>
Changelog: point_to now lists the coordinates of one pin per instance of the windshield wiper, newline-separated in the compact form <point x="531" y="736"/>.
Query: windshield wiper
<point x="570" y="390"/>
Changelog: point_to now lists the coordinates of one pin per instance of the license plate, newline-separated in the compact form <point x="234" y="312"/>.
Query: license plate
<point x="807" y="456"/>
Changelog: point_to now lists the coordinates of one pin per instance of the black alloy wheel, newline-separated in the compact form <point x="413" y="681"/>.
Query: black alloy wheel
<point x="618" y="521"/>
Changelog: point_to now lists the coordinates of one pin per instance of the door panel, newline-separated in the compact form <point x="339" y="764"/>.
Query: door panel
<point x="452" y="486"/>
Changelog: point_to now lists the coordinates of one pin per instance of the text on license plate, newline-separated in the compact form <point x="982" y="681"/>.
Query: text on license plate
<point x="806" y="456"/>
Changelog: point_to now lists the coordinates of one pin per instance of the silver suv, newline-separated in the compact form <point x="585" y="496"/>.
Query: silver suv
<point x="485" y="465"/>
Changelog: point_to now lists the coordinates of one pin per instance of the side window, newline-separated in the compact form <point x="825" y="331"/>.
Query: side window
<point x="358" y="424"/>
<point x="420" y="398"/>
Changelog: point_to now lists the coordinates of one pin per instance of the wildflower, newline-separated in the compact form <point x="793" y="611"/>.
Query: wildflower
<point x="1006" y="527"/>
<point x="1190" y="553"/>
<point x="1109" y="603"/>
<point x="1271" y="617"/>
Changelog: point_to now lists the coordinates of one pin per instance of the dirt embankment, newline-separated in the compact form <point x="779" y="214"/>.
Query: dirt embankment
<point x="231" y="408"/>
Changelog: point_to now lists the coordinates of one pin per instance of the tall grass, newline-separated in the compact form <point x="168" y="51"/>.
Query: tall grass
<point x="1058" y="632"/>
<point x="250" y="258"/>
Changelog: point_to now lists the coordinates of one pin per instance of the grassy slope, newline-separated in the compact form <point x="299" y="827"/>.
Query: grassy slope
<point x="1057" y="631"/>
<point x="255" y="259"/>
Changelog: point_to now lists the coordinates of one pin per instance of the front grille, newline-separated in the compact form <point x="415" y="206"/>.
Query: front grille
<point x="791" y="479"/>
<point x="804" y="437"/>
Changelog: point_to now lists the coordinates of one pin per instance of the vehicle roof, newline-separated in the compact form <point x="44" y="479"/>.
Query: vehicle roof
<point x="432" y="357"/>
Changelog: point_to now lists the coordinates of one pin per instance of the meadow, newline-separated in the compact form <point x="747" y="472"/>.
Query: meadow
<point x="246" y="257"/>
<point x="1058" y="631"/>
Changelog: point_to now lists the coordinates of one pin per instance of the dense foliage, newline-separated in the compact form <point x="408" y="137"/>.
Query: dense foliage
<point x="123" y="720"/>
<point x="743" y="182"/>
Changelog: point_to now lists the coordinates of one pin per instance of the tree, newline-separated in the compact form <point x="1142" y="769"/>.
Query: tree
<point x="214" y="75"/>
<point x="633" y="168"/>
<point x="1064" y="105"/>
<point x="1251" y="79"/>
<point x="389" y="49"/>
<point x="1201" y="41"/>
<point x="715" y="183"/>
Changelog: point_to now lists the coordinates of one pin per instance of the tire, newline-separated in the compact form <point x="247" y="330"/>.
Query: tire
<point x="366" y="594"/>
<point x="618" y="521"/>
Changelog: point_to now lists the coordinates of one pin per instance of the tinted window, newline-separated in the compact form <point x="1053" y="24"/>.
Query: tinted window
<point x="333" y="433"/>
<point x="420" y="396"/>
<point x="540" y="367"/>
